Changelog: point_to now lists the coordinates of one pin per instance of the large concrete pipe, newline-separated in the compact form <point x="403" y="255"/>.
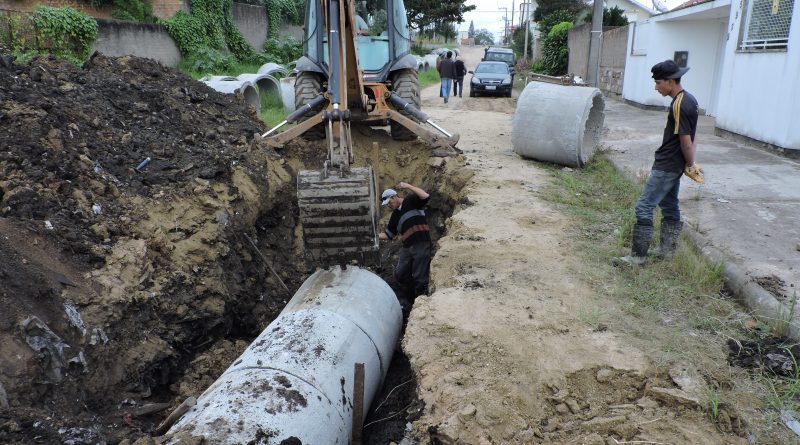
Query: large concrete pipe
<point x="430" y="60"/>
<point x="287" y="93"/>
<point x="296" y="379"/>
<point x="273" y="69"/>
<point x="557" y="123"/>
<point x="265" y="83"/>
<point x="244" y="87"/>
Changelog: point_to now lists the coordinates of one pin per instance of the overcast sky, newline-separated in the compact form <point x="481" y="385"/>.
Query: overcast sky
<point x="488" y="14"/>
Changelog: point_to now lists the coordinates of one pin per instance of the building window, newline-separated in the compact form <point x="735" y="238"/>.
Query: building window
<point x="766" y="25"/>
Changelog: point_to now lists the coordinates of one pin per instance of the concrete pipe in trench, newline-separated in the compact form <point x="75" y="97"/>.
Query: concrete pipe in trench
<point x="265" y="83"/>
<point x="296" y="378"/>
<point x="246" y="88"/>
<point x="557" y="123"/>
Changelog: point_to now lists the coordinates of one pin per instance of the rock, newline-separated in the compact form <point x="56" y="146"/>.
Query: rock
<point x="559" y="396"/>
<point x="3" y="397"/>
<point x="436" y="162"/>
<point x="562" y="408"/>
<point x="647" y="403"/>
<point x="673" y="396"/>
<point x="604" y="375"/>
<point x="573" y="405"/>
<point x="551" y="425"/>
<point x="467" y="413"/>
<point x="593" y="439"/>
<point x="689" y="380"/>
<point x="604" y="425"/>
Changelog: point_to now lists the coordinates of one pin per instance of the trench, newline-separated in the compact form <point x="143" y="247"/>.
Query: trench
<point x="396" y="403"/>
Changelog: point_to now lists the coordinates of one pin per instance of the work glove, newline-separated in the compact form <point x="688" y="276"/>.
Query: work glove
<point x="695" y="173"/>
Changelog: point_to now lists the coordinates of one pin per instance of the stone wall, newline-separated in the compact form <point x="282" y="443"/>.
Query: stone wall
<point x="612" y="57"/>
<point x="612" y="60"/>
<point x="578" y="42"/>
<point x="118" y="38"/>
<point x="252" y="22"/>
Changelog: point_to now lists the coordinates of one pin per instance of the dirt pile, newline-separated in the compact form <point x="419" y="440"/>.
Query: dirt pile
<point x="113" y="278"/>
<point x="128" y="286"/>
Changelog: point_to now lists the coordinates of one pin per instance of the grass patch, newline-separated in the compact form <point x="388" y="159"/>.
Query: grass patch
<point x="272" y="111"/>
<point x="428" y="78"/>
<point x="190" y="67"/>
<point x="677" y="307"/>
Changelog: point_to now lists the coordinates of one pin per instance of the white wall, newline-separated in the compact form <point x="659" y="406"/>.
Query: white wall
<point x="633" y="12"/>
<point x="655" y="40"/>
<point x="759" y="93"/>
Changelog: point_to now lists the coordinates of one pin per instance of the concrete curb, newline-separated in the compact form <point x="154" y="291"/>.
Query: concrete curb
<point x="762" y="303"/>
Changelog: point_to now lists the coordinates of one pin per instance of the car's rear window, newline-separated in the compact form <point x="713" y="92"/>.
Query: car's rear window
<point x="494" y="68"/>
<point x="500" y="57"/>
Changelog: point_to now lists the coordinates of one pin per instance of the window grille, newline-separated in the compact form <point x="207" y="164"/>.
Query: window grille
<point x="766" y="24"/>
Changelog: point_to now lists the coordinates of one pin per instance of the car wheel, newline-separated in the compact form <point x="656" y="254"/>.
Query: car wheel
<point x="471" y="93"/>
<point x="508" y="94"/>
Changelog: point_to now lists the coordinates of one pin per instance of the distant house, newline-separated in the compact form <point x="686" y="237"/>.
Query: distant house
<point x="744" y="58"/>
<point x="634" y="9"/>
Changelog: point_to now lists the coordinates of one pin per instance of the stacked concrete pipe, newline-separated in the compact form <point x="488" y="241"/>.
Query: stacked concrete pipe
<point x="232" y="85"/>
<point x="287" y="93"/>
<point x="294" y="383"/>
<point x="558" y="123"/>
<point x="273" y="69"/>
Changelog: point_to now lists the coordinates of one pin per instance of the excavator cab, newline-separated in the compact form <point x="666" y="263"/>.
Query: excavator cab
<point x="356" y="68"/>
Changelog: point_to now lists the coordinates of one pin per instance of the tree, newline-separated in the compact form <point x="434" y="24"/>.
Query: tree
<point x="422" y="13"/>
<point x="548" y="6"/>
<point x="471" y="31"/>
<point x="611" y="17"/>
<point x="556" y="51"/>
<point x="484" y="37"/>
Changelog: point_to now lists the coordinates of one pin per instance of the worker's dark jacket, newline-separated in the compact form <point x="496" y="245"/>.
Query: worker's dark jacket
<point x="409" y="222"/>
<point x="447" y="70"/>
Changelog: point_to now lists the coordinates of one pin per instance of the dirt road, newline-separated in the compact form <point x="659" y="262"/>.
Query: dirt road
<point x="499" y="348"/>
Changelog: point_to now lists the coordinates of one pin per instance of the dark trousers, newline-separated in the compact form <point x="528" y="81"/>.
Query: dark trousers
<point x="458" y="86"/>
<point x="414" y="267"/>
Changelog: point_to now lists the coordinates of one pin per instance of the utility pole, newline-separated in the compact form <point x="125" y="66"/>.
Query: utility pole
<point x="595" y="43"/>
<point x="511" y="23"/>
<point x="526" y="24"/>
<point x="505" y="23"/>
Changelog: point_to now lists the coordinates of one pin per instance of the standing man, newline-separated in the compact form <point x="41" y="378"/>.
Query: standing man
<point x="461" y="71"/>
<point x="674" y="158"/>
<point x="447" y="71"/>
<point x="409" y="222"/>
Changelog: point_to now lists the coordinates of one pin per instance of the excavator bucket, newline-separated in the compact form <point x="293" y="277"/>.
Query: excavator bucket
<point x="339" y="214"/>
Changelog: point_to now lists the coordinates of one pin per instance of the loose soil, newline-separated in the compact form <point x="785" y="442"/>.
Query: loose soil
<point x="518" y="344"/>
<point x="125" y="290"/>
<point x="128" y="287"/>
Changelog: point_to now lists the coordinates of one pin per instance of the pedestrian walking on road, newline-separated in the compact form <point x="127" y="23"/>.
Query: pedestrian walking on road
<point x="673" y="158"/>
<point x="461" y="71"/>
<point x="408" y="221"/>
<point x="447" y="72"/>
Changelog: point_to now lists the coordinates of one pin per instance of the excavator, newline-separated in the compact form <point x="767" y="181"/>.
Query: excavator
<point x="356" y="69"/>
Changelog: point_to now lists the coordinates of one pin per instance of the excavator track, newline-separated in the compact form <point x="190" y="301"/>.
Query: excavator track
<point x="339" y="214"/>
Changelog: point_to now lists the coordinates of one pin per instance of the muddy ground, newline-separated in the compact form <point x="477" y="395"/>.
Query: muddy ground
<point x="125" y="291"/>
<point x="127" y="288"/>
<point x="520" y="343"/>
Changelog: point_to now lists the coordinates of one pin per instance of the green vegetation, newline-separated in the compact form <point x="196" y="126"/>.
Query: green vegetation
<point x="64" y="32"/>
<point x="428" y="78"/>
<point x="555" y="60"/>
<point x="208" y="26"/>
<point x="272" y="108"/>
<point x="682" y="310"/>
<point x="611" y="17"/>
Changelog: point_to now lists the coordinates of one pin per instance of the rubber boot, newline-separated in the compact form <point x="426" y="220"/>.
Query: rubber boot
<point x="670" y="231"/>
<point x="642" y="234"/>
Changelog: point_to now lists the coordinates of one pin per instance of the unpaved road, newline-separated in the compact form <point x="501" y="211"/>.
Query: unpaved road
<point x="499" y="348"/>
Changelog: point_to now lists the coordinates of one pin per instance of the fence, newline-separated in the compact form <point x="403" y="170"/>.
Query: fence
<point x="612" y="56"/>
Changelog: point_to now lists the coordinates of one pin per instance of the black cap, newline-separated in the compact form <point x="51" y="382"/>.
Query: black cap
<point x="668" y="69"/>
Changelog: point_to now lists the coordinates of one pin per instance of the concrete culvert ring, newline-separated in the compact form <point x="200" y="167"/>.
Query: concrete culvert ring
<point x="236" y="86"/>
<point x="557" y="123"/>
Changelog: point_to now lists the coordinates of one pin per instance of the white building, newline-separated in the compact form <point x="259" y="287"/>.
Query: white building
<point x="745" y="64"/>
<point x="634" y="9"/>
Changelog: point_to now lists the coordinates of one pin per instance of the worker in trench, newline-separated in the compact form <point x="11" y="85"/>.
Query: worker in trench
<point x="674" y="158"/>
<point x="408" y="222"/>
